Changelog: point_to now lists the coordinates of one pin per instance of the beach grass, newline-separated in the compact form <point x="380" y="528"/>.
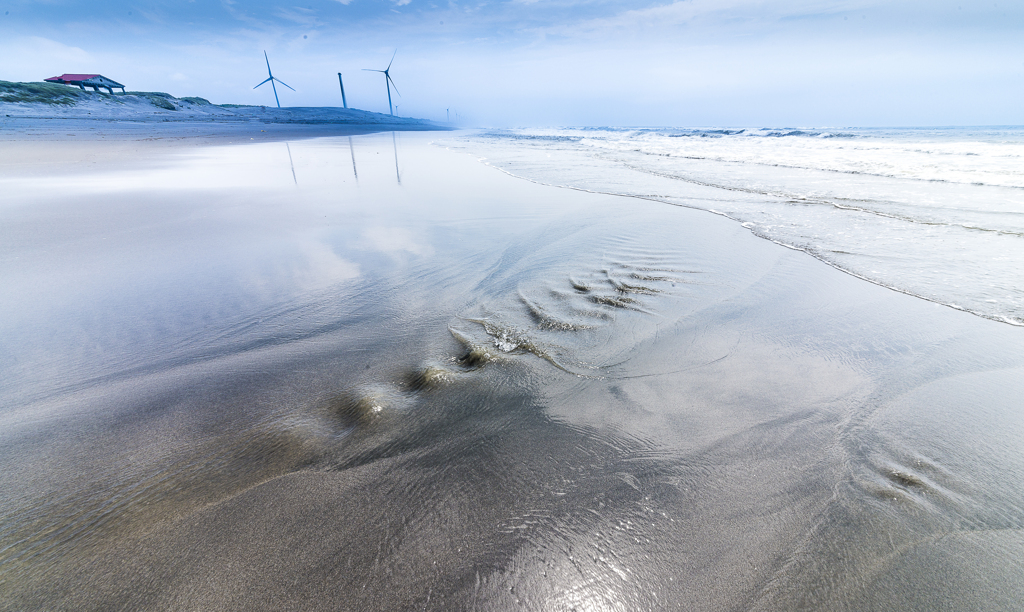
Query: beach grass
<point x="39" y="93"/>
<point x="64" y="95"/>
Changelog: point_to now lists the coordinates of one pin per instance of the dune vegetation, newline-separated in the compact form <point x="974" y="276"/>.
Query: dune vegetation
<point x="65" y="95"/>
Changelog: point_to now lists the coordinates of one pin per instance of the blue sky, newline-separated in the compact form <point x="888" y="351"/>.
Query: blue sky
<point x="554" y="62"/>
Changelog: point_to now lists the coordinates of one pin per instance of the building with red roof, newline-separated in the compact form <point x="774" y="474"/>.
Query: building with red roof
<point x="96" y="81"/>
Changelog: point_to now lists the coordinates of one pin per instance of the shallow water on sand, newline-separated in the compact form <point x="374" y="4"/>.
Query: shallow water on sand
<point x="377" y="374"/>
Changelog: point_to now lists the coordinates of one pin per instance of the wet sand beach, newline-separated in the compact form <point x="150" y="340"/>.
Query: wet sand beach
<point x="370" y="372"/>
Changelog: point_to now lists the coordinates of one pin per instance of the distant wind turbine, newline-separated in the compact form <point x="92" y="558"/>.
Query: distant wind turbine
<point x="387" y="80"/>
<point x="272" y="78"/>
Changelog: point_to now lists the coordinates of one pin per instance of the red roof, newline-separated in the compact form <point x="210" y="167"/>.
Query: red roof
<point x="72" y="77"/>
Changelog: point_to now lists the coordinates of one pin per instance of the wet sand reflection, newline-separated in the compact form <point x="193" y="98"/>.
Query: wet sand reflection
<point x="461" y="390"/>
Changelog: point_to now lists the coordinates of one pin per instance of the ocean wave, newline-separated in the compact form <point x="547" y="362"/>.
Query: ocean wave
<point x="978" y="159"/>
<point x="529" y="137"/>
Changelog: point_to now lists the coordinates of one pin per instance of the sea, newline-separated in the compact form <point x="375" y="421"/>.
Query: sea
<point x="933" y="212"/>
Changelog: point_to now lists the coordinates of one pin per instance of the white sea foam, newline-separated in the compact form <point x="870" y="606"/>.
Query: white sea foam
<point x="987" y="157"/>
<point x="937" y="213"/>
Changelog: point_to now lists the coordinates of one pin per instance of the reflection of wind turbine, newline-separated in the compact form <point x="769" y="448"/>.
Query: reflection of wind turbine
<point x="353" y="152"/>
<point x="394" y="143"/>
<point x="291" y="163"/>
<point x="272" y="78"/>
<point x="387" y="80"/>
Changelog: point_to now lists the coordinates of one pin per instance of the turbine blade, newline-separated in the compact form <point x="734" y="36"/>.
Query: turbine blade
<point x="268" y="63"/>
<point x="393" y="85"/>
<point x="392" y="59"/>
<point x="283" y="83"/>
<point x="372" y="70"/>
<point x="264" y="82"/>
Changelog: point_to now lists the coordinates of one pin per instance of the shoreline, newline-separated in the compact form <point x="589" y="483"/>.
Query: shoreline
<point x="46" y="112"/>
<point x="41" y="145"/>
<point x="888" y="223"/>
<point x="780" y="243"/>
<point x="17" y="128"/>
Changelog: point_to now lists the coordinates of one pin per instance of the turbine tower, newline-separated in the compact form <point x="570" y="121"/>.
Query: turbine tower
<point x="387" y="80"/>
<point x="343" y="100"/>
<point x="272" y="78"/>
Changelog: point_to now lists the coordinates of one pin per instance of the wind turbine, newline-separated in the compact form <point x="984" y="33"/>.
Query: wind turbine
<point x="272" y="78"/>
<point x="387" y="80"/>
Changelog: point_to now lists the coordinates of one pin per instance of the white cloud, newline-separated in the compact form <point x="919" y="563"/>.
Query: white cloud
<point x="322" y="267"/>
<point x="299" y="15"/>
<point x="394" y="240"/>
<point x="725" y="15"/>
<point x="33" y="58"/>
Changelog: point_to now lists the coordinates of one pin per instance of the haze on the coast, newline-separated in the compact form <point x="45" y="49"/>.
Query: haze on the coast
<point x="565" y="62"/>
